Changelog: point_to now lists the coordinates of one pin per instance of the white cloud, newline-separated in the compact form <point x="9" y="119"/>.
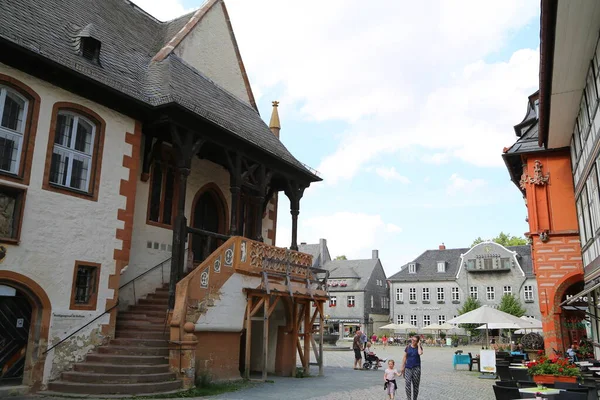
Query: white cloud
<point x="464" y="186"/>
<point x="166" y="10"/>
<point x="399" y="82"/>
<point x="436" y="158"/>
<point x="348" y="233"/>
<point x="391" y="174"/>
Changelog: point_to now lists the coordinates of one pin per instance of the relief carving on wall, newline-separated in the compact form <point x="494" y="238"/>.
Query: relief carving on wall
<point x="538" y="177"/>
<point x="276" y="259"/>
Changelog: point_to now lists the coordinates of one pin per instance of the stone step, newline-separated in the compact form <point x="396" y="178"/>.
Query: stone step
<point x="126" y="359"/>
<point x="140" y="342"/>
<point x="134" y="350"/>
<point x="160" y="295"/>
<point x="146" y="313"/>
<point x="142" y="326"/>
<point x="87" y="377"/>
<point x="111" y="388"/>
<point x="136" y="334"/>
<point x="141" y="318"/>
<point x="158" y="301"/>
<point x="103" y="368"/>
<point x="150" y="307"/>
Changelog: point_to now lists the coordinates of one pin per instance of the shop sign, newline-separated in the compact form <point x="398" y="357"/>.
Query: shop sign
<point x="345" y="321"/>
<point x="426" y="308"/>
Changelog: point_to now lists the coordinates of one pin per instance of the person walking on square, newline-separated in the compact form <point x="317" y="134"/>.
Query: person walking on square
<point x="358" y="348"/>
<point x="411" y="367"/>
<point x="389" y="377"/>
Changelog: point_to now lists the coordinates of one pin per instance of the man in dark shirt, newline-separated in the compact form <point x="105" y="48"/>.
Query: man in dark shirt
<point x="358" y="348"/>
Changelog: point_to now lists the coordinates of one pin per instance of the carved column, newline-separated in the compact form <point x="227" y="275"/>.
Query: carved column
<point x="186" y="146"/>
<point x="294" y="192"/>
<point x="258" y="215"/>
<point x="235" y="183"/>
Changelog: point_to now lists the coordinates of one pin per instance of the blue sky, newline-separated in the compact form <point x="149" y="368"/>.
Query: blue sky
<point x="404" y="109"/>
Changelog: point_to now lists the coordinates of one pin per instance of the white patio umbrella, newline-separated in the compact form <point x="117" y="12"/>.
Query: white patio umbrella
<point x="398" y="327"/>
<point x="488" y="315"/>
<point x="537" y="326"/>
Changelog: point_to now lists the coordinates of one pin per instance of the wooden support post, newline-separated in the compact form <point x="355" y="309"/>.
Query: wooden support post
<point x="307" y="337"/>
<point x="265" y="338"/>
<point x="320" y="306"/>
<point x="248" y="338"/>
<point x="235" y="182"/>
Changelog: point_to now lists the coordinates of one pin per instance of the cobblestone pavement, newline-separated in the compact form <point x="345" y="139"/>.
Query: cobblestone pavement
<point x="438" y="381"/>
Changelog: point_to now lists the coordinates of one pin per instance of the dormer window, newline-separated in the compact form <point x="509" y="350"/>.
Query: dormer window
<point x="536" y="105"/>
<point x="412" y="268"/>
<point x="441" y="266"/>
<point x="90" y="49"/>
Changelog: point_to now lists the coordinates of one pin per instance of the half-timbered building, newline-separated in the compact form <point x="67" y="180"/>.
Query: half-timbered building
<point x="138" y="188"/>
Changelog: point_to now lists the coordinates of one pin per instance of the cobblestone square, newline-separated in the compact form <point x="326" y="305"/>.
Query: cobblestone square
<point x="438" y="381"/>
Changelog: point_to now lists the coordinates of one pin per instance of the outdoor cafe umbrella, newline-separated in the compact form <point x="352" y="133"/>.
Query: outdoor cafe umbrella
<point x="399" y="327"/>
<point x="488" y="315"/>
<point x="536" y="325"/>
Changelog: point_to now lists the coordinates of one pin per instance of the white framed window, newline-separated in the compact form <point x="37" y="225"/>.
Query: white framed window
<point x="413" y="320"/>
<point x="507" y="290"/>
<point x="441" y="266"/>
<point x="399" y="319"/>
<point x="412" y="268"/>
<point x="71" y="163"/>
<point x="455" y="294"/>
<point x="13" y="118"/>
<point x="372" y="302"/>
<point x="441" y="319"/>
<point x="332" y="301"/>
<point x="441" y="295"/>
<point x="425" y="294"/>
<point x="350" y="301"/>
<point x="399" y="294"/>
<point x="473" y="292"/>
<point x="528" y="292"/>
<point x="490" y="293"/>
<point x="426" y="320"/>
<point x="412" y="294"/>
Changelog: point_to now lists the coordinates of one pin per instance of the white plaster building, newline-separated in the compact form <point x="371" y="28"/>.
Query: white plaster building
<point x="115" y="126"/>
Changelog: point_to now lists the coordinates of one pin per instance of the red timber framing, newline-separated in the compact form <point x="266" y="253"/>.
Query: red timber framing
<point x="300" y="320"/>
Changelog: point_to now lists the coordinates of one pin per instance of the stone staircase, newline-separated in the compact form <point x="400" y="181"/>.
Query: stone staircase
<point x="135" y="362"/>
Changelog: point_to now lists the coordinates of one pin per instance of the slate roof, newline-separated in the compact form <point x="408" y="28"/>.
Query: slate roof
<point x="357" y="273"/>
<point x="427" y="264"/>
<point x="129" y="39"/>
<point x="528" y="143"/>
<point x="314" y="250"/>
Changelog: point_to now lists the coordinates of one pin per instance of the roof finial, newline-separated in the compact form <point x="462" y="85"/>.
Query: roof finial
<point x="275" y="125"/>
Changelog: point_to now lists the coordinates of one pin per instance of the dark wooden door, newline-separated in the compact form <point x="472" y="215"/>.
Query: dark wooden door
<point x="15" y="319"/>
<point x="206" y="217"/>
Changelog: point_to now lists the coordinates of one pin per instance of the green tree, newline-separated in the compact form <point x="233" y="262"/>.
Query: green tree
<point x="512" y="305"/>
<point x="470" y="305"/>
<point x="504" y="239"/>
<point x="342" y="257"/>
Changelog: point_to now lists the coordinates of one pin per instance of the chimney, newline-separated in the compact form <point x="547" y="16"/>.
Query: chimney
<point x="442" y="246"/>
<point x="375" y="255"/>
<point x="322" y="247"/>
<point x="275" y="125"/>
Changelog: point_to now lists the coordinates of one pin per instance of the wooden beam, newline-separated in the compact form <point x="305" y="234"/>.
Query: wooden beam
<point x="300" y="315"/>
<point x="265" y="355"/>
<point x="307" y="337"/>
<point x="272" y="307"/>
<point x="300" y="351"/>
<point x="321" y="332"/>
<point x="248" y="339"/>
<point x="257" y="307"/>
<point x="313" y="343"/>
<point x="314" y="317"/>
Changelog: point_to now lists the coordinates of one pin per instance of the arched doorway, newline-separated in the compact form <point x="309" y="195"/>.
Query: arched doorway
<point x="15" y="321"/>
<point x="22" y="298"/>
<point x="209" y="214"/>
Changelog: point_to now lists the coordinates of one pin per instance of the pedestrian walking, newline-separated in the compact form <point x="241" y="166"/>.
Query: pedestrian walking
<point x="384" y="339"/>
<point x="389" y="379"/>
<point x="358" y="348"/>
<point x="411" y="367"/>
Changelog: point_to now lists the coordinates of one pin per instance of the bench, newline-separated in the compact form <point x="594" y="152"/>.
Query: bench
<point x="461" y="359"/>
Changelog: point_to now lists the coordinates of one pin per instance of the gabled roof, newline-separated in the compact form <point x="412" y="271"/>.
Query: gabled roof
<point x="427" y="264"/>
<point x="130" y="39"/>
<point x="357" y="272"/>
<point x="314" y="250"/>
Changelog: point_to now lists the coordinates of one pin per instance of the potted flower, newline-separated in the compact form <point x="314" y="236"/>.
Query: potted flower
<point x="545" y="370"/>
